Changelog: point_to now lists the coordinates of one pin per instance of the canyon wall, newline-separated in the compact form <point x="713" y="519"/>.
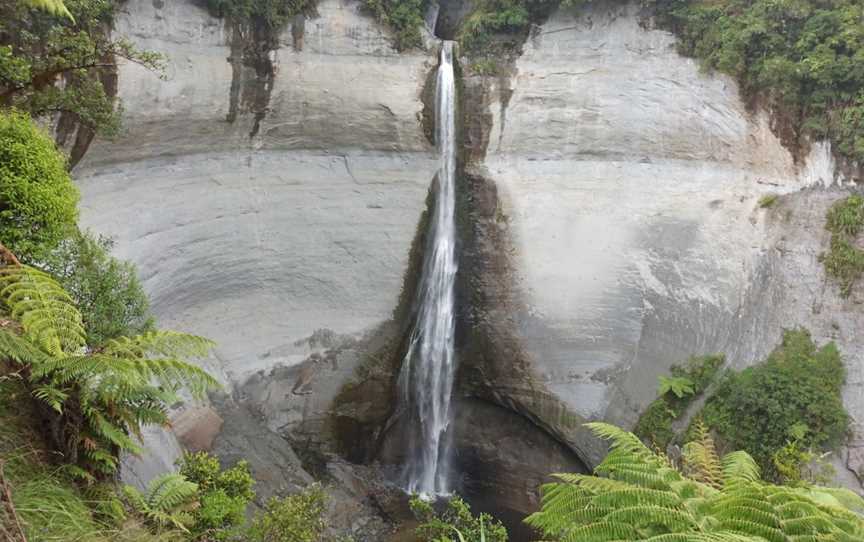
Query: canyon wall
<point x="623" y="185"/>
<point x="609" y="218"/>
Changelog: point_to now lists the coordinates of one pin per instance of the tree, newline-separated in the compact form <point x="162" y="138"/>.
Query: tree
<point x="93" y="401"/>
<point x="455" y="523"/>
<point x="106" y="290"/>
<point x="52" y="66"/>
<point x="637" y="494"/>
<point x="37" y="197"/>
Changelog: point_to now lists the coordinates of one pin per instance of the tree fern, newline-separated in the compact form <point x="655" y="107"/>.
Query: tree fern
<point x="636" y="495"/>
<point x="99" y="399"/>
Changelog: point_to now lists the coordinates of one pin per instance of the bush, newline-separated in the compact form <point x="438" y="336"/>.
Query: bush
<point x="224" y="495"/>
<point x="106" y="290"/>
<point x="844" y="261"/>
<point x="455" y="522"/>
<point x="794" y="396"/>
<point x="37" y="196"/>
<point x="296" y="518"/>
<point x="404" y="17"/>
<point x="655" y="424"/>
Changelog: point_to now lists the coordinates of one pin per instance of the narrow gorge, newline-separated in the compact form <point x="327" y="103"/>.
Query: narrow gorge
<point x="423" y="273"/>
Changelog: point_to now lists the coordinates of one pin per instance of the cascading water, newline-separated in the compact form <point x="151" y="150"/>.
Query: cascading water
<point x="426" y="379"/>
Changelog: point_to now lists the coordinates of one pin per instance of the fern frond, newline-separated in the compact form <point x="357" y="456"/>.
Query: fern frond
<point x="739" y="467"/>
<point x="170" y="344"/>
<point x="46" y="312"/>
<point x="169" y="491"/>
<point x="55" y="7"/>
<point x="18" y="349"/>
<point x="700" y="458"/>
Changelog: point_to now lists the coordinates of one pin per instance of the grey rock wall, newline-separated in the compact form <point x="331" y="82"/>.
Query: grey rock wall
<point x="259" y="241"/>
<point x="626" y="185"/>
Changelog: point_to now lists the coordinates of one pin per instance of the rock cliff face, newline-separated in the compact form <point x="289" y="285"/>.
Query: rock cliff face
<point x="609" y="219"/>
<point x="259" y="241"/>
<point x="623" y="186"/>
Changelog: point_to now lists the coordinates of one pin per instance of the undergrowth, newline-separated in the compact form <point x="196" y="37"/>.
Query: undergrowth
<point x="49" y="505"/>
<point x="792" y="397"/>
<point x="655" y="424"/>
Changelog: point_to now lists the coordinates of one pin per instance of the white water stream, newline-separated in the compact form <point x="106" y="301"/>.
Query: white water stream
<point x="426" y="378"/>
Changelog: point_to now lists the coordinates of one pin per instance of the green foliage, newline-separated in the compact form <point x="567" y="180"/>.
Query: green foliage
<point x="50" y="505"/>
<point x="845" y="261"/>
<point x="794" y="396"/>
<point x="768" y="200"/>
<point x="37" y="198"/>
<point x="491" y="17"/>
<point x="679" y="386"/>
<point x="57" y="7"/>
<point x="224" y="495"/>
<point x="271" y="14"/>
<point x="51" y="65"/>
<point x="455" y="523"/>
<point x="106" y="290"/>
<point x="805" y="57"/>
<point x="638" y="495"/>
<point x="296" y="518"/>
<point x="94" y="401"/>
<point x="404" y="17"/>
<point x="675" y="394"/>
<point x="167" y="502"/>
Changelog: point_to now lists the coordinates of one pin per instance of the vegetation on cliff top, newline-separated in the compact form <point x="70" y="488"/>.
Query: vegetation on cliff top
<point x="52" y="65"/>
<point x="804" y="58"/>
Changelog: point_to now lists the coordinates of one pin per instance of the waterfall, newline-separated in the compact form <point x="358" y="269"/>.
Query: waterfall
<point x="426" y="378"/>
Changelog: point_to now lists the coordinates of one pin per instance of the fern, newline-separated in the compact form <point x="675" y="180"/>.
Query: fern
<point x="168" y="499"/>
<point x="102" y="398"/>
<point x="636" y="495"/>
<point x="55" y="7"/>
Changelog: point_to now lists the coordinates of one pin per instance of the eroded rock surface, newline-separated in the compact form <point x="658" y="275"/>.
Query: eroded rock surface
<point x="623" y="185"/>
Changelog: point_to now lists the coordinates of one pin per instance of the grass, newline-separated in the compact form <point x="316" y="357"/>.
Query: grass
<point x="50" y="506"/>
<point x="844" y="261"/>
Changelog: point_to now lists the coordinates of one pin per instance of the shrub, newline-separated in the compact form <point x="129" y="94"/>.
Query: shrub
<point x="455" y="522"/>
<point x="404" y="17"/>
<point x="768" y="200"/>
<point x="844" y="261"/>
<point x="296" y="518"/>
<point x="37" y="196"/>
<point x="675" y="394"/>
<point x="106" y="290"/>
<point x="794" y="396"/>
<point x="224" y="495"/>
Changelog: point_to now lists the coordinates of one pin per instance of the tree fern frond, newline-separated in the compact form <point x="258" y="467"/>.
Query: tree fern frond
<point x="739" y="466"/>
<point x="44" y="309"/>
<point x="161" y="343"/>
<point x="169" y="491"/>
<point x="674" y="520"/>
<point x="601" y="531"/>
<point x="19" y="349"/>
<point x="700" y="458"/>
<point x="55" y="7"/>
